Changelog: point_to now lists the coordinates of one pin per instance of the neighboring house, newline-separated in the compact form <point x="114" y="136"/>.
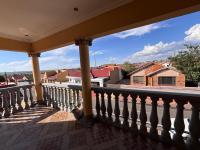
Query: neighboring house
<point x="157" y="74"/>
<point x="48" y="76"/>
<point x="17" y="78"/>
<point x="99" y="76"/>
<point x="28" y="77"/>
<point x="73" y="76"/>
<point x="115" y="75"/>
<point x="100" y="72"/>
<point x="61" y="76"/>
<point x="42" y="77"/>
<point x="71" y="79"/>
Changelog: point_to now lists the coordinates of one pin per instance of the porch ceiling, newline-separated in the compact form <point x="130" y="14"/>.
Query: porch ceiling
<point x="41" y="25"/>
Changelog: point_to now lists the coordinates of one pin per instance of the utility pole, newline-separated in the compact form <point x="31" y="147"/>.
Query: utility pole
<point x="6" y="78"/>
<point x="95" y="61"/>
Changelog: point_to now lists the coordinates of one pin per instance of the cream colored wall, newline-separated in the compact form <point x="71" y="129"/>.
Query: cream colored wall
<point x="168" y="73"/>
<point x="61" y="77"/>
<point x="139" y="73"/>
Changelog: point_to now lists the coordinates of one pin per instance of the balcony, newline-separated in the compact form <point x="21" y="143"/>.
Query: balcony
<point x="39" y="116"/>
<point x="122" y="119"/>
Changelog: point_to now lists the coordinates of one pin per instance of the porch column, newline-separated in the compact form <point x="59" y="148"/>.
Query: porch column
<point x="36" y="77"/>
<point x="85" y="75"/>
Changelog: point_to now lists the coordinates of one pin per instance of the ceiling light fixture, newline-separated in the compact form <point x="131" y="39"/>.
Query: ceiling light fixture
<point x="76" y="9"/>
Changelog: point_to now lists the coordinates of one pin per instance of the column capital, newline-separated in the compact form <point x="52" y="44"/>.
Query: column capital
<point x="33" y="54"/>
<point x="80" y="41"/>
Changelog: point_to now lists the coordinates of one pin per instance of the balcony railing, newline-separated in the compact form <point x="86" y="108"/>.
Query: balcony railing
<point x="61" y="97"/>
<point x="108" y="110"/>
<point x="15" y="99"/>
<point x="118" y="107"/>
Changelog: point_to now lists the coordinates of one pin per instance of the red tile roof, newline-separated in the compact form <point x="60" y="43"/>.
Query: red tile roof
<point x="74" y="73"/>
<point x="104" y="72"/>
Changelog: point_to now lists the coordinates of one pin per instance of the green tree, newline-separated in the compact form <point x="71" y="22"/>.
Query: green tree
<point x="127" y="68"/>
<point x="2" y="79"/>
<point x="188" y="61"/>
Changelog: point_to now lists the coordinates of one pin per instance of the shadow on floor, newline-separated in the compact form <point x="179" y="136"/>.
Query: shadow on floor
<point x="43" y="128"/>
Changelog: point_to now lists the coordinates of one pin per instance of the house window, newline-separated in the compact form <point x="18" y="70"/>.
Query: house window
<point x="138" y="79"/>
<point x="167" y="80"/>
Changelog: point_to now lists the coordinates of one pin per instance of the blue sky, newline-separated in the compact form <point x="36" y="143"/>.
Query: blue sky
<point x="152" y="42"/>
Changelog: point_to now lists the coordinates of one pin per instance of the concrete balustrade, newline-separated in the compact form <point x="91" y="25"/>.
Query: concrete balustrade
<point x="119" y="107"/>
<point x="15" y="99"/>
<point x="61" y="97"/>
<point x="123" y="113"/>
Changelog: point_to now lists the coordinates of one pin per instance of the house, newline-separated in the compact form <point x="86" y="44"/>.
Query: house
<point x="99" y="76"/>
<point x="157" y="74"/>
<point x="60" y="76"/>
<point x="100" y="72"/>
<point x="17" y="78"/>
<point x="48" y="76"/>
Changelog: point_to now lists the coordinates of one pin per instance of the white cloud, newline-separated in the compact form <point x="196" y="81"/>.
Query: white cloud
<point x="157" y="51"/>
<point x="46" y="62"/>
<point x="138" y="31"/>
<point x="16" y="66"/>
<point x="193" y="34"/>
<point x="111" y="59"/>
<point x="163" y="50"/>
<point x="96" y="53"/>
<point x="62" y="50"/>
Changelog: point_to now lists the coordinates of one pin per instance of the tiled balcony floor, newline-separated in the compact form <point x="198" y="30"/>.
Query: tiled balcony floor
<point x="44" y="129"/>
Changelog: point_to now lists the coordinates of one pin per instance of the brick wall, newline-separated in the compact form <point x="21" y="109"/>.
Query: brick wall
<point x="180" y="80"/>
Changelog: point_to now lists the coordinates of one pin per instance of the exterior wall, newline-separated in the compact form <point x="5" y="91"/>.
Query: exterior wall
<point x="180" y="78"/>
<point x="150" y="81"/>
<point x="61" y="77"/>
<point x="139" y="73"/>
<point x="168" y="73"/>
<point x="139" y="84"/>
<point x="115" y="76"/>
<point x="73" y="79"/>
<point x="48" y="74"/>
<point x="153" y="80"/>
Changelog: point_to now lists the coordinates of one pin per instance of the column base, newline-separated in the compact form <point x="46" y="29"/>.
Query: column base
<point x="41" y="103"/>
<point x="87" y="121"/>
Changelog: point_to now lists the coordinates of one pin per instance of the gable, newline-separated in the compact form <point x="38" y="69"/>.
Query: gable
<point x="139" y="73"/>
<point x="168" y="72"/>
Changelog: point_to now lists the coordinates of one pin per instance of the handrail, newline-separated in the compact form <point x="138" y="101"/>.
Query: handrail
<point x="185" y="96"/>
<point x="11" y="99"/>
<point x="126" y="111"/>
<point x="14" y="87"/>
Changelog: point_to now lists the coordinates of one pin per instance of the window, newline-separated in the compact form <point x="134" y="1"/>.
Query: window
<point x="167" y="80"/>
<point x="138" y="79"/>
